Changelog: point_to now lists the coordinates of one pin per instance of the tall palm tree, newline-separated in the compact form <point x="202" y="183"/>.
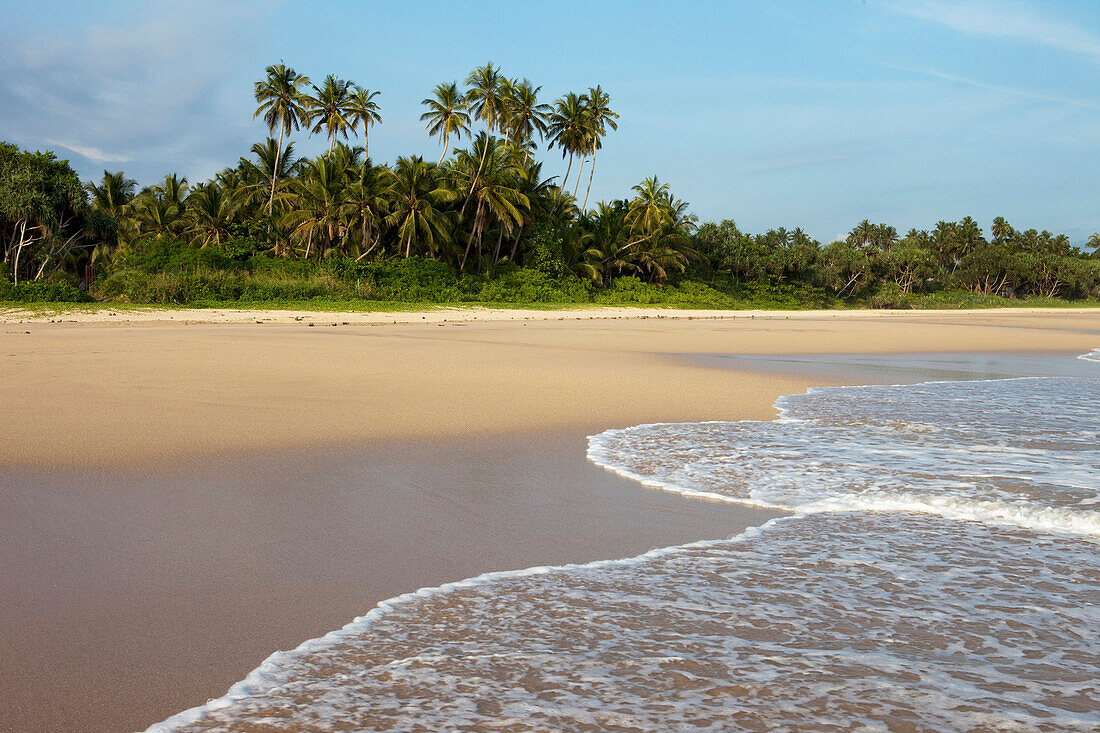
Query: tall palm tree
<point x="362" y="109"/>
<point x="568" y="129"/>
<point x="416" y="196"/>
<point x="281" y="104"/>
<point x="447" y="115"/>
<point x="600" y="117"/>
<point x="486" y="104"/>
<point x="329" y="108"/>
<point x="526" y="116"/>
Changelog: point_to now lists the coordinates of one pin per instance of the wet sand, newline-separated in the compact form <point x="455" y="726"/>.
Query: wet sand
<point x="179" y="501"/>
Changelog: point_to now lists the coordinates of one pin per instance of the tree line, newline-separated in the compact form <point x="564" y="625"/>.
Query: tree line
<point x="482" y="206"/>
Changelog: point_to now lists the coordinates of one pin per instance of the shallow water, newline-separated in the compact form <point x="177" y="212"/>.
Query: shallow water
<point x="940" y="572"/>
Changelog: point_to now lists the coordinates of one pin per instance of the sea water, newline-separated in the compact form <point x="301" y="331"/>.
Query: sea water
<point x="939" y="570"/>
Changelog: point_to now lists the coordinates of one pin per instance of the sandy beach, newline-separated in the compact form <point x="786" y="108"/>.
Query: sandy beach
<point x="184" y="492"/>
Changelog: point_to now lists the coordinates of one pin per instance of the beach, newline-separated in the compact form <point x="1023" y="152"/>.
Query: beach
<point x="186" y="492"/>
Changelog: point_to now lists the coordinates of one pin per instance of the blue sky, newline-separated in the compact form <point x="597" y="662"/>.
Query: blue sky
<point x="813" y="114"/>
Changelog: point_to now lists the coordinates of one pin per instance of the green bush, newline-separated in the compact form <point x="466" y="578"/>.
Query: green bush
<point x="524" y="285"/>
<point x="42" y="292"/>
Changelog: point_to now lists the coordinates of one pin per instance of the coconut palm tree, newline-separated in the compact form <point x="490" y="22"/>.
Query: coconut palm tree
<point x="525" y="115"/>
<point x="253" y="178"/>
<point x="495" y="189"/>
<point x="416" y="196"/>
<point x="569" y="129"/>
<point x="315" y="199"/>
<point x="447" y="115"/>
<point x="600" y="117"/>
<point x="487" y="104"/>
<point x="364" y="206"/>
<point x="362" y="109"/>
<point x="281" y="104"/>
<point x="210" y="210"/>
<point x="328" y="108"/>
<point x="113" y="193"/>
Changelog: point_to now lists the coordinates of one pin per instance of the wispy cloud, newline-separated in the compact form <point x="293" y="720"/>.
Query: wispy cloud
<point x="997" y="88"/>
<point x="93" y="154"/>
<point x="1019" y="21"/>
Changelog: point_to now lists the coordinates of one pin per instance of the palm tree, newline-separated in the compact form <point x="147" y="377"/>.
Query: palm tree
<point x="113" y="192"/>
<point x="255" y="176"/>
<point x="650" y="209"/>
<point x="365" y="205"/>
<point x="526" y="116"/>
<point x="415" y="195"/>
<point x="446" y="115"/>
<point x="280" y="99"/>
<point x="329" y="108"/>
<point x="495" y="189"/>
<point x="210" y="211"/>
<point x="486" y="104"/>
<point x="316" y="198"/>
<point x="568" y="129"/>
<point x="600" y="117"/>
<point x="362" y="109"/>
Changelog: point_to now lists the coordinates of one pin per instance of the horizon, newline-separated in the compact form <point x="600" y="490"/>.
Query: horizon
<point x="771" y="114"/>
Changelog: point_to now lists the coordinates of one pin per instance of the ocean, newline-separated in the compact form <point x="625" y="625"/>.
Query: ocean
<point x="938" y="570"/>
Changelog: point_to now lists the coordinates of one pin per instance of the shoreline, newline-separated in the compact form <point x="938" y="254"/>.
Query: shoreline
<point x="151" y="314"/>
<point x="162" y="564"/>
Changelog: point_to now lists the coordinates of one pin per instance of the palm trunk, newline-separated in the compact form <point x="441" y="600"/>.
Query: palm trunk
<point x="470" y="240"/>
<point x="446" y="144"/>
<point x="366" y="145"/>
<point x="580" y="172"/>
<point x="591" y="173"/>
<point x="480" y="166"/>
<point x="275" y="172"/>
<point x="561" y="189"/>
<point x="515" y="245"/>
<point x="496" y="252"/>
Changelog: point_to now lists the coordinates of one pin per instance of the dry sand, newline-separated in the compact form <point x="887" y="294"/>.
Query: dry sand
<point x="182" y="493"/>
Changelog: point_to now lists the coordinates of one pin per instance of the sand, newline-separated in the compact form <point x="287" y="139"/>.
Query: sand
<point x="182" y="496"/>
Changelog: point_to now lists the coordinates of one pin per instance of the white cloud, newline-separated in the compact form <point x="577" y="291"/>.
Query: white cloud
<point x="1015" y="20"/>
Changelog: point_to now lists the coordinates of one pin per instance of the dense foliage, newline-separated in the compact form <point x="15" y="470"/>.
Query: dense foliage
<point x="482" y="224"/>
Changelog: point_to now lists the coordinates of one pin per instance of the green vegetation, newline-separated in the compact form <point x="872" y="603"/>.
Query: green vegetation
<point x="481" y="225"/>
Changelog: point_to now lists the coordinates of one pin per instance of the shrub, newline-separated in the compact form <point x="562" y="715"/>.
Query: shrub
<point x="42" y="292"/>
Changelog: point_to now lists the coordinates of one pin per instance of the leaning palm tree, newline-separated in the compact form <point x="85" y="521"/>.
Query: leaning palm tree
<point x="600" y="117"/>
<point x="328" y="108"/>
<point x="280" y="98"/>
<point x="447" y="115"/>
<point x="416" y="196"/>
<point x="526" y="116"/>
<point x="569" y="129"/>
<point x="362" y="109"/>
<point x="486" y="104"/>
